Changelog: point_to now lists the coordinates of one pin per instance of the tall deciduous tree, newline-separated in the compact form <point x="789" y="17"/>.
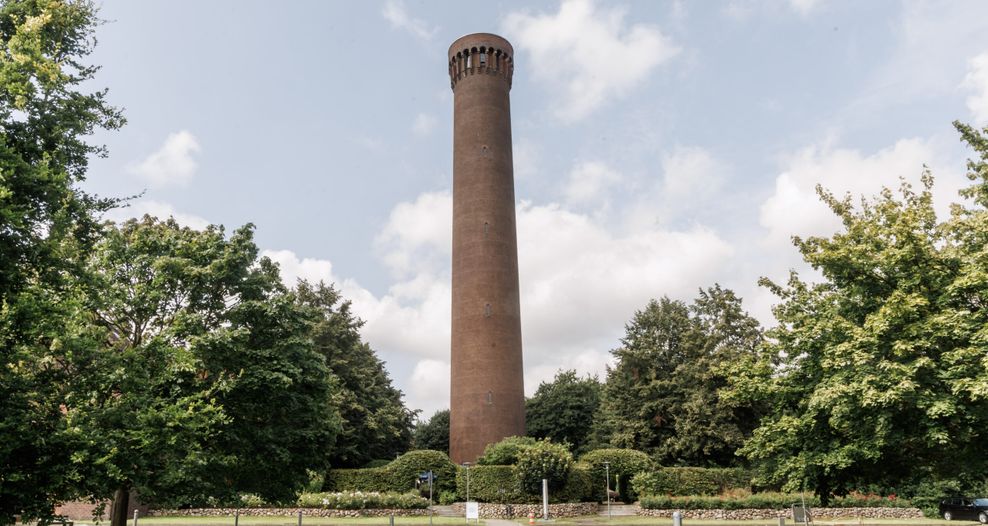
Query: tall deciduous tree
<point x="204" y="382"/>
<point x="45" y="114"/>
<point x="663" y="395"/>
<point x="563" y="409"/>
<point x="376" y="423"/>
<point x="878" y="372"/>
<point x="433" y="433"/>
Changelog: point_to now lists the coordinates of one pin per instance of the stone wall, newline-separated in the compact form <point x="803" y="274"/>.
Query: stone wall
<point x="816" y="513"/>
<point x="490" y="510"/>
<point x="275" y="512"/>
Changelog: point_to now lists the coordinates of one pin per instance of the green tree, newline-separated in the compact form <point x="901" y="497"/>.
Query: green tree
<point x="47" y="221"/>
<point x="433" y="433"/>
<point x="663" y="395"/>
<point x="506" y="451"/>
<point x="376" y="423"/>
<point x="203" y="382"/>
<point x="563" y="410"/>
<point x="876" y="374"/>
<point x="543" y="460"/>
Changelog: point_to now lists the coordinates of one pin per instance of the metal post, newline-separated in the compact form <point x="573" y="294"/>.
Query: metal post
<point x="236" y="518"/>
<point x="465" y="514"/>
<point x="545" y="499"/>
<point x="607" y="490"/>
<point x="392" y="520"/>
<point x="135" y="517"/>
<point x="430" y="498"/>
<point x="782" y="521"/>
<point x="299" y="517"/>
<point x="677" y="519"/>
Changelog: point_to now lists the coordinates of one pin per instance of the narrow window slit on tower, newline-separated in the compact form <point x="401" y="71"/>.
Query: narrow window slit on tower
<point x="487" y="310"/>
<point x="490" y="398"/>
<point x="487" y="228"/>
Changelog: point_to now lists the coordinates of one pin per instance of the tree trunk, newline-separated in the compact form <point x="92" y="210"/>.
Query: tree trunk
<point x="121" y="502"/>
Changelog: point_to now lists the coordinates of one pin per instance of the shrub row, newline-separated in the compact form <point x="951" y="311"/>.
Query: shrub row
<point x="359" y="500"/>
<point x="623" y="465"/>
<point x="502" y="484"/>
<point x="691" y="481"/>
<point x="398" y="476"/>
<point x="767" y="500"/>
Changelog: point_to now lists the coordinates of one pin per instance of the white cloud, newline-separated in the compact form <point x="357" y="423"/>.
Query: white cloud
<point x="804" y="7"/>
<point x="294" y="269"/>
<point x="977" y="81"/>
<point x="172" y="164"/>
<point x="587" y="54"/>
<point x="589" y="182"/>
<point x="396" y="13"/>
<point x="689" y="172"/>
<point x="418" y="234"/>
<point x="795" y="209"/>
<point x="138" y="209"/>
<point x="424" y="124"/>
<point x="429" y="386"/>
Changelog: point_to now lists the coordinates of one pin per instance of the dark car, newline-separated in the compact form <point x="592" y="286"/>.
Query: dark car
<point x="964" y="508"/>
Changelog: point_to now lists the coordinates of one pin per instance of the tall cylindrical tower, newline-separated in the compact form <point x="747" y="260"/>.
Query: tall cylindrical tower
<point x="487" y="389"/>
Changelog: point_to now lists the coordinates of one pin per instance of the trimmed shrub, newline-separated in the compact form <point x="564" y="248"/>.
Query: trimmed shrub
<point x="359" y="500"/>
<point x="544" y="460"/>
<point x="691" y="481"/>
<point x="624" y="464"/>
<point x="505" y="452"/>
<point x="500" y="484"/>
<point x="369" y="479"/>
<point x="398" y="476"/>
<point x="767" y="500"/>
<point x="377" y="463"/>
<point x="404" y="470"/>
<point x="490" y="484"/>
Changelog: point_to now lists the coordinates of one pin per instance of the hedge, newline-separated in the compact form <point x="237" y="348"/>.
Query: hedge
<point x="501" y="484"/>
<point x="359" y="500"/>
<point x="767" y="500"/>
<point x="398" y="476"/>
<point x="624" y="464"/>
<point x="691" y="481"/>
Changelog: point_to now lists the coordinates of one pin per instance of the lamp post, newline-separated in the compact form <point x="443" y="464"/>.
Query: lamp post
<point x="467" y="465"/>
<point x="607" y="485"/>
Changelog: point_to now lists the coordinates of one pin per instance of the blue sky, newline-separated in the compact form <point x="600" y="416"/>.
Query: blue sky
<point x="659" y="146"/>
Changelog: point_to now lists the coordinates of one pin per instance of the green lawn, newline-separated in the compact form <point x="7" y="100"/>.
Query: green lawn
<point x="287" y="520"/>
<point x="663" y="521"/>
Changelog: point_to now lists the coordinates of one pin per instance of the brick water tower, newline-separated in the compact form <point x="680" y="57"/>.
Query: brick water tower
<point x="487" y="398"/>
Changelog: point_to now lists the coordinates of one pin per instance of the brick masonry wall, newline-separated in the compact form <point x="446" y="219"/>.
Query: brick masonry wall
<point x="817" y="513"/>
<point x="490" y="510"/>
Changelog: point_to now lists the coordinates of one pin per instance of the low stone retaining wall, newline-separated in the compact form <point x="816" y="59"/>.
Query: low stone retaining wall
<point x="271" y="512"/>
<point x="490" y="510"/>
<point x="817" y="513"/>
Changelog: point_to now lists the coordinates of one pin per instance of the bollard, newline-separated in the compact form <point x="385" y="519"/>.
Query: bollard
<point x="782" y="521"/>
<point x="677" y="519"/>
<point x="392" y="520"/>
<point x="236" y="518"/>
<point x="299" y="517"/>
<point x="531" y="517"/>
<point x="135" y="518"/>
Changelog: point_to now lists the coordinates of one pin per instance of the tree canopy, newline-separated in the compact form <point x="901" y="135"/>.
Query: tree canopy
<point x="876" y="374"/>
<point x="433" y="433"/>
<point x="662" y="396"/>
<point x="562" y="410"/>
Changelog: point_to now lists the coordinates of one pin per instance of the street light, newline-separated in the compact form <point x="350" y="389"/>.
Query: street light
<point x="607" y="487"/>
<point x="467" y="465"/>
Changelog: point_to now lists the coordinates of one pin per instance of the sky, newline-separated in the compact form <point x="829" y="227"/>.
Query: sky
<point x="660" y="147"/>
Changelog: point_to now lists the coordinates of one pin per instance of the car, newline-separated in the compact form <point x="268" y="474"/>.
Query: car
<point x="964" y="508"/>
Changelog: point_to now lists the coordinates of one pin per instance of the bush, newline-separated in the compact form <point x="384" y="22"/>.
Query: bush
<point x="251" y="500"/>
<point x="398" y="476"/>
<point x="691" y="481"/>
<point x="404" y="470"/>
<point x="767" y="500"/>
<point x="505" y="452"/>
<point x="500" y="484"/>
<point x="359" y="500"/>
<point x="544" y="460"/>
<point x="377" y="463"/>
<point x="624" y="464"/>
<point x="447" y="497"/>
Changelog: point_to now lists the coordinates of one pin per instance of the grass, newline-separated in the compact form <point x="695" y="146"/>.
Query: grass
<point x="288" y="520"/>
<point x="666" y="521"/>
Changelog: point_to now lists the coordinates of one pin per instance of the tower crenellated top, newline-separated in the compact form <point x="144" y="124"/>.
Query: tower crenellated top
<point x="480" y="54"/>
